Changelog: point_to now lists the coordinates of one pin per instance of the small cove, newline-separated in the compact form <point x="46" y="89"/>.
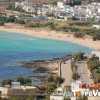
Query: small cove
<point x="15" y="48"/>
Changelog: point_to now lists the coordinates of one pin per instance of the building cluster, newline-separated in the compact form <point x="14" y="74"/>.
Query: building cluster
<point x="17" y="90"/>
<point x="76" y="90"/>
<point x="63" y="11"/>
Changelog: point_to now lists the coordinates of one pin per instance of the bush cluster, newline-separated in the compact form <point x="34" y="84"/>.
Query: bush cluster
<point x="20" y="21"/>
<point x="79" y="28"/>
<point x="1" y="23"/>
<point x="53" y="25"/>
<point x="10" y="19"/>
<point x="22" y="80"/>
<point x="93" y="63"/>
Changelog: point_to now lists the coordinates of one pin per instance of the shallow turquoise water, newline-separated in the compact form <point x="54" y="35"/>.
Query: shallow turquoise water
<point x="15" y="48"/>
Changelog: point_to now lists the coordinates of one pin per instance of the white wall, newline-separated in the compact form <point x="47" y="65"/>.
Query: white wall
<point x="96" y="26"/>
<point x="54" y="97"/>
<point x="74" y="86"/>
<point x="60" y="4"/>
<point x="97" y="53"/>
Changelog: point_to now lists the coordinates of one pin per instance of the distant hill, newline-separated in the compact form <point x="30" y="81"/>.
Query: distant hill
<point x="39" y="1"/>
<point x="66" y="1"/>
<point x="88" y="1"/>
<point x="54" y="1"/>
<point x="44" y="1"/>
<point x="79" y="2"/>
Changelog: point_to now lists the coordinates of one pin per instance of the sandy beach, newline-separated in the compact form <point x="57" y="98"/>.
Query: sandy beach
<point x="44" y="33"/>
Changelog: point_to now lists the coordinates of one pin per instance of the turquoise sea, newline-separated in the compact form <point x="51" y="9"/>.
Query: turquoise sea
<point x="15" y="48"/>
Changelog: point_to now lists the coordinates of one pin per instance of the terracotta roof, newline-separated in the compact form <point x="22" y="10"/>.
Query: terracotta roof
<point x="95" y="86"/>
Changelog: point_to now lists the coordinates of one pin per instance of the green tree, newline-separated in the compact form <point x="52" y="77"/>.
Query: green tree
<point x="58" y="80"/>
<point x="6" y="82"/>
<point x="11" y="19"/>
<point x="78" y="56"/>
<point x="24" y="80"/>
<point x="50" y="78"/>
<point x="20" y="79"/>
<point x="97" y="78"/>
<point x="50" y="89"/>
<point x="1" y="23"/>
<point x="73" y="18"/>
<point x="27" y="80"/>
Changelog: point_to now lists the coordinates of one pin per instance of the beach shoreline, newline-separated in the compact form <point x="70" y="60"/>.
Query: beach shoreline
<point x="49" y="34"/>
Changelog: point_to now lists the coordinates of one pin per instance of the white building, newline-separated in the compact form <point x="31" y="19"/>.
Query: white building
<point x="58" y="94"/>
<point x="25" y="5"/>
<point x="97" y="19"/>
<point x="97" y="53"/>
<point x="60" y="4"/>
<point x="78" y="86"/>
<point x="56" y="97"/>
<point x="96" y="26"/>
<point x="20" y="91"/>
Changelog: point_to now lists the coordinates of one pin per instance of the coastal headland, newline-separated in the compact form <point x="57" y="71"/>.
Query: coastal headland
<point x="49" y="34"/>
<point x="49" y="66"/>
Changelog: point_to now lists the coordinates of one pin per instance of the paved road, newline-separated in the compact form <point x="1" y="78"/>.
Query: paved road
<point x="84" y="72"/>
<point x="66" y="72"/>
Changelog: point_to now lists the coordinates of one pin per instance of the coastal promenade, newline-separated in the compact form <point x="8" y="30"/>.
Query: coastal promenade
<point x="84" y="72"/>
<point x="66" y="72"/>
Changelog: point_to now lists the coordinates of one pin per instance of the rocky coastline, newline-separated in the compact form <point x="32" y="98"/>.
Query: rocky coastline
<point x="48" y="66"/>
